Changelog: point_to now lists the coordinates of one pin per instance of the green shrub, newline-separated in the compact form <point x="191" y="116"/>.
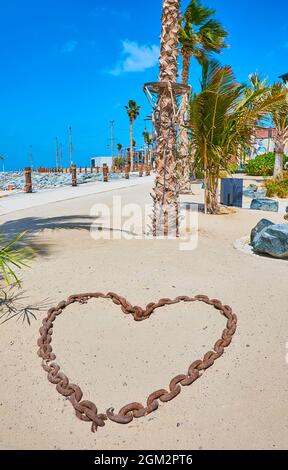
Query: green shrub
<point x="232" y="168"/>
<point x="13" y="256"/>
<point x="119" y="162"/>
<point x="277" y="187"/>
<point x="263" y="165"/>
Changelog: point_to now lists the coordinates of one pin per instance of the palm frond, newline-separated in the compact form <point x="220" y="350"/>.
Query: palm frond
<point x="224" y="114"/>
<point x="200" y="34"/>
<point x="12" y="256"/>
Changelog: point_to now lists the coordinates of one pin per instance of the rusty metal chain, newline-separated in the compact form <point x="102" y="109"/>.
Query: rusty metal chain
<point x="86" y="410"/>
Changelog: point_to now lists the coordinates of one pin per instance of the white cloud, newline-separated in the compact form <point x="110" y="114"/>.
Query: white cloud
<point x="137" y="58"/>
<point x="69" y="47"/>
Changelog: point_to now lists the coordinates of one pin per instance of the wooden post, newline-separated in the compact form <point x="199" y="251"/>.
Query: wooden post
<point x="28" y="180"/>
<point x="127" y="171"/>
<point x="105" y="172"/>
<point x="74" y="175"/>
<point x="141" y="170"/>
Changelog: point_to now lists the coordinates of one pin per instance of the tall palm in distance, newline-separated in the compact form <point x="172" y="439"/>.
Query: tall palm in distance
<point x="200" y="35"/>
<point x="149" y="142"/>
<point x="119" y="148"/>
<point x="2" y="159"/>
<point x="133" y="112"/>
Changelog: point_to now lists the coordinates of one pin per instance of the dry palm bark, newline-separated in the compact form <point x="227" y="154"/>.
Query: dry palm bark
<point x="131" y="153"/>
<point x="185" y="162"/>
<point x="165" y="193"/>
<point x="280" y="143"/>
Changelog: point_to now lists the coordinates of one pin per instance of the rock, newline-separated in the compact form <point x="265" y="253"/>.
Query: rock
<point x="261" y="193"/>
<point x="258" y="228"/>
<point x="42" y="181"/>
<point x="252" y="187"/>
<point x="265" y="204"/>
<point x="273" y="241"/>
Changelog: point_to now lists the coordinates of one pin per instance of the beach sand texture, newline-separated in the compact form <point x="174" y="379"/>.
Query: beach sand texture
<point x="239" y="403"/>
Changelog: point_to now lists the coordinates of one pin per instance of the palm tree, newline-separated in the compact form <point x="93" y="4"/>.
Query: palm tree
<point x="148" y="141"/>
<point x="199" y="36"/>
<point x="223" y="120"/>
<point x="2" y="160"/>
<point x="133" y="112"/>
<point x="119" y="148"/>
<point x="165" y="194"/>
<point x="280" y="120"/>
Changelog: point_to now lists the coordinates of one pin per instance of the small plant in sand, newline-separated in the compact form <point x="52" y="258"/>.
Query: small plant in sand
<point x="12" y="256"/>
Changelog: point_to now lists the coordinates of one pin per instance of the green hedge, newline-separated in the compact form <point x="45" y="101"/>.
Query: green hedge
<point x="263" y="165"/>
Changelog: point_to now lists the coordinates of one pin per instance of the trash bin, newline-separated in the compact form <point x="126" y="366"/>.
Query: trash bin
<point x="232" y="192"/>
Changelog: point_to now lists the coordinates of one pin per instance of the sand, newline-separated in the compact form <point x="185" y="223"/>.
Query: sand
<point x="239" y="403"/>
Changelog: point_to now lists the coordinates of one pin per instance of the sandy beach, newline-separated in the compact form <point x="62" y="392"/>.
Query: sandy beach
<point x="239" y="403"/>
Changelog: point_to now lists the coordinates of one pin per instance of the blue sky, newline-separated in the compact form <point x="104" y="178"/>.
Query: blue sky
<point x="79" y="62"/>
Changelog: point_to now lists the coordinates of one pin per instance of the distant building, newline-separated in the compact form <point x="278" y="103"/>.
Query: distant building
<point x="139" y="156"/>
<point x="264" y="141"/>
<point x="99" y="161"/>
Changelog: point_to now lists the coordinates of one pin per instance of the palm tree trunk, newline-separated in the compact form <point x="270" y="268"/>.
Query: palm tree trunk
<point x="165" y="193"/>
<point x="211" y="183"/>
<point x="205" y="177"/>
<point x="279" y="157"/>
<point x="186" y="60"/>
<point x="131" y="159"/>
<point x="212" y="195"/>
<point x="185" y="163"/>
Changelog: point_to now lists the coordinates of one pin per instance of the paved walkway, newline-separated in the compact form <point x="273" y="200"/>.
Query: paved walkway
<point x="20" y="201"/>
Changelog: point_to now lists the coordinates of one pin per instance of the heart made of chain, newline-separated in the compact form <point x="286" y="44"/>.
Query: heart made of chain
<point x="86" y="410"/>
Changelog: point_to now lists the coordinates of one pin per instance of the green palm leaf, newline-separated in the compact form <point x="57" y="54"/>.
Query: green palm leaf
<point x="13" y="256"/>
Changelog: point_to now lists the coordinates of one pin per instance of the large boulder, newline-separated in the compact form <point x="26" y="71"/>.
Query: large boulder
<point x="264" y="223"/>
<point x="265" y="204"/>
<point x="273" y="241"/>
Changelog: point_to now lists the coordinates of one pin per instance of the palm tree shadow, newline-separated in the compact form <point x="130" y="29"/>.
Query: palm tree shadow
<point x="12" y="305"/>
<point x="35" y="225"/>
